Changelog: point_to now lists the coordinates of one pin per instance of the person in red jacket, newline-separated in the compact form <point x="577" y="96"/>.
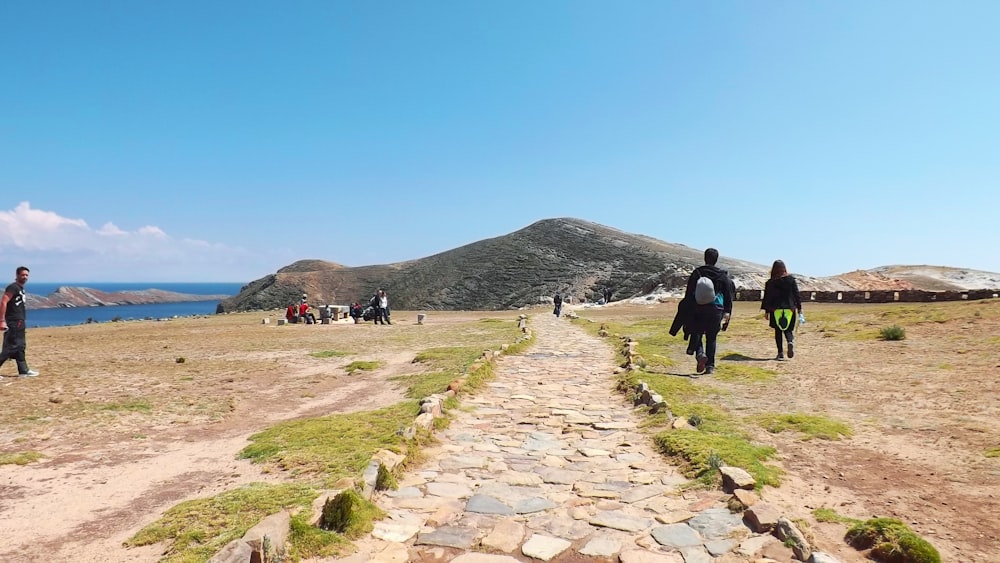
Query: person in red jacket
<point x="304" y="313"/>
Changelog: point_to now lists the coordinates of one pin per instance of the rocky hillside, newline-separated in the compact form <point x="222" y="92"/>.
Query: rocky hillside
<point x="570" y="256"/>
<point x="87" y="297"/>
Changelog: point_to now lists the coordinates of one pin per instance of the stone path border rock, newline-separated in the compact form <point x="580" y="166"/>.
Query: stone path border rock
<point x="547" y="464"/>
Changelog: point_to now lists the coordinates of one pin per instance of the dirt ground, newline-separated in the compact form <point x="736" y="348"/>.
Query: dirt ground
<point x="924" y="411"/>
<point x="133" y="418"/>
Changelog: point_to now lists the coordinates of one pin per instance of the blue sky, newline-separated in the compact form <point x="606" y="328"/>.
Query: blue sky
<point x="220" y="141"/>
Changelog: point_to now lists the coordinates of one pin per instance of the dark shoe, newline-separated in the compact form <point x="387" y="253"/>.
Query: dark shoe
<point x="709" y="370"/>
<point x="29" y="373"/>
<point x="702" y="361"/>
<point x="780" y="358"/>
<point x="791" y="350"/>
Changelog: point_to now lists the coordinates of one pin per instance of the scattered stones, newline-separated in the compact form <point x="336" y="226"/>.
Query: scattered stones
<point x="735" y="478"/>
<point x="788" y="532"/>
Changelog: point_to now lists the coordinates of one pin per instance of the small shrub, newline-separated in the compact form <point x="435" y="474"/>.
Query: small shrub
<point x="893" y="332"/>
<point x="349" y="514"/>
<point x="714" y="460"/>
<point x="695" y="420"/>
<point x="891" y="541"/>
<point x="385" y="480"/>
<point x="992" y="452"/>
<point x="180" y="360"/>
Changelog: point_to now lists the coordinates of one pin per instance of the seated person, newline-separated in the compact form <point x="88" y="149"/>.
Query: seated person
<point x="292" y="314"/>
<point x="356" y="312"/>
<point x="309" y="318"/>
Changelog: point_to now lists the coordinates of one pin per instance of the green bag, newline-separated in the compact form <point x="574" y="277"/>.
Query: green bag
<point x="783" y="318"/>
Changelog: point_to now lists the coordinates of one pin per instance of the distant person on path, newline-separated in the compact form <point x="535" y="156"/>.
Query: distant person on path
<point x="383" y="306"/>
<point x="12" y="319"/>
<point x="607" y="295"/>
<point x="781" y="304"/>
<point x="712" y="293"/>
<point x="557" y="300"/>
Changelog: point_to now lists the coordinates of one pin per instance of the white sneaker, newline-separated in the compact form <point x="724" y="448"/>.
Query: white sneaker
<point x="31" y="373"/>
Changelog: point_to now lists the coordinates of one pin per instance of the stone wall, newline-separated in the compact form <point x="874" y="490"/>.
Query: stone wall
<point x="883" y="296"/>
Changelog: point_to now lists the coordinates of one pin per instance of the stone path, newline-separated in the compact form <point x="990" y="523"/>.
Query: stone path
<point x="546" y="464"/>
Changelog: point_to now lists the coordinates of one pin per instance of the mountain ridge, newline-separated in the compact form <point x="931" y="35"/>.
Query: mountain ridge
<point x="571" y="256"/>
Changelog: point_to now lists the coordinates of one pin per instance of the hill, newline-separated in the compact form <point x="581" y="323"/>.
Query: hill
<point x="569" y="256"/>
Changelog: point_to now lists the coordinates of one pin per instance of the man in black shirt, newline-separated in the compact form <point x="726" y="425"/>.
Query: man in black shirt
<point x="12" y="317"/>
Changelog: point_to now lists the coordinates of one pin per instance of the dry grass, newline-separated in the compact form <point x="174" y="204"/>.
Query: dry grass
<point x="922" y="410"/>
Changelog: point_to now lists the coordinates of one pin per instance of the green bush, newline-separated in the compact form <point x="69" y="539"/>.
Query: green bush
<point x="891" y="541"/>
<point x="350" y="514"/>
<point x="385" y="480"/>
<point x="893" y="332"/>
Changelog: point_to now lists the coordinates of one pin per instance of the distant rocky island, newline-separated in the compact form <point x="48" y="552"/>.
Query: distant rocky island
<point x="87" y="297"/>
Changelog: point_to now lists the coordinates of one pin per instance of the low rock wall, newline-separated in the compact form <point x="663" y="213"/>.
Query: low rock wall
<point x="879" y="296"/>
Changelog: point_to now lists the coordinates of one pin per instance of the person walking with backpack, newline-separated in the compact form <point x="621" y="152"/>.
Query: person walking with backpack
<point x="781" y="304"/>
<point x="557" y="300"/>
<point x="712" y="293"/>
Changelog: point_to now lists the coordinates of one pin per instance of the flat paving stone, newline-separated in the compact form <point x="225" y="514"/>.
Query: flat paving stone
<point x="483" y="504"/>
<point x="449" y="536"/>
<point x="544" y="547"/>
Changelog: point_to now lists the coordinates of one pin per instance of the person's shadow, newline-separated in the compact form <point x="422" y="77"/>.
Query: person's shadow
<point x="734" y="357"/>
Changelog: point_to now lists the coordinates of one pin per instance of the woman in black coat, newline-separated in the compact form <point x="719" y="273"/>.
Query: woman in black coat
<point x="781" y="305"/>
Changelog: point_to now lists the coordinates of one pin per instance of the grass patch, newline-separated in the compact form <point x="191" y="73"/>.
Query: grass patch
<point x="452" y="358"/>
<point x="893" y="332"/>
<point x="718" y="438"/>
<point x="309" y="541"/>
<point x="892" y="541"/>
<point x="361" y="365"/>
<point x="744" y="374"/>
<point x="330" y="354"/>
<point x="331" y="447"/>
<point x="698" y="448"/>
<point x="20" y="458"/>
<point x="992" y="452"/>
<point x="655" y="344"/>
<point x="132" y="405"/>
<point x="830" y="515"/>
<point x="450" y="363"/>
<point x="199" y="528"/>
<point x="811" y="426"/>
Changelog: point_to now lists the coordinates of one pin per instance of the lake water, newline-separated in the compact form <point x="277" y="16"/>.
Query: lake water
<point x="81" y="315"/>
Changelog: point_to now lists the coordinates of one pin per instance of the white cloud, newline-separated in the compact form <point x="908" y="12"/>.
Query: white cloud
<point x="58" y="248"/>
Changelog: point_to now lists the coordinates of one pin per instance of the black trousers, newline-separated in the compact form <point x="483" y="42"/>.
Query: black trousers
<point x="14" y="344"/>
